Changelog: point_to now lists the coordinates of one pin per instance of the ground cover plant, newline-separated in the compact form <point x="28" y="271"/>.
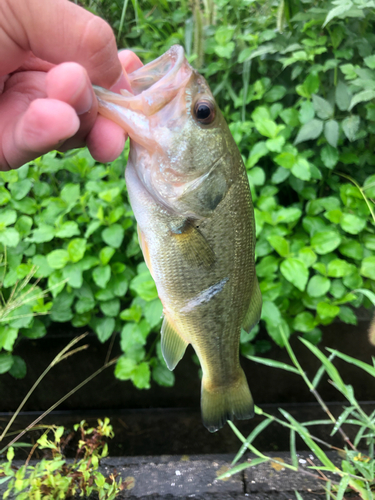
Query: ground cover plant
<point x="56" y="477"/>
<point x="295" y="82"/>
<point x="356" y="471"/>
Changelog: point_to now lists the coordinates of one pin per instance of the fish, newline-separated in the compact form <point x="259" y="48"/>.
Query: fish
<point x="190" y="195"/>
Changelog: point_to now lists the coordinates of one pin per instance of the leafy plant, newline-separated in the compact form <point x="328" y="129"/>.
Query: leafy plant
<point x="68" y="223"/>
<point x="357" y="468"/>
<point x="57" y="477"/>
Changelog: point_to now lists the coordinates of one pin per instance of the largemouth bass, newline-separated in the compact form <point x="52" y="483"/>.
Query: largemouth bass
<point x="191" y="198"/>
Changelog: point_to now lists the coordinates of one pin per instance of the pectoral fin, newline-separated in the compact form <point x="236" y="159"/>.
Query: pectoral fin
<point x="253" y="313"/>
<point x="193" y="245"/>
<point x="173" y="346"/>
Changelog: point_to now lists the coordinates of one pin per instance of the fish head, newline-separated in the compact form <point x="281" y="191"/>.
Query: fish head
<point x="179" y="138"/>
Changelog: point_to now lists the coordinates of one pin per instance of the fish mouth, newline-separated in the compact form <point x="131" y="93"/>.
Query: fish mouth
<point x="162" y="71"/>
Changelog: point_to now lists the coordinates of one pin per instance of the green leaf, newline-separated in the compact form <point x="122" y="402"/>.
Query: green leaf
<point x="318" y="286"/>
<point x="124" y="368"/>
<point x="144" y="286"/>
<point x="134" y="313"/>
<point x="20" y="189"/>
<point x="7" y="337"/>
<point x="295" y="271"/>
<point x="4" y="195"/>
<point x="132" y="334"/>
<point x="163" y="376"/>
<point x="57" y="259"/>
<point x="110" y="307"/>
<point x="343" y="96"/>
<point x="286" y="160"/>
<point x="280" y="244"/>
<point x="347" y="315"/>
<point x="304" y="322"/>
<point x="9" y="237"/>
<point x="352" y="249"/>
<point x="337" y="11"/>
<point x="70" y="193"/>
<point x="153" y="312"/>
<point x="329" y="156"/>
<point x="18" y="369"/>
<point x="141" y="376"/>
<point x="76" y="249"/>
<point x="85" y="304"/>
<point x="323" y="108"/>
<point x="73" y="273"/>
<point x="327" y="311"/>
<point x="267" y="266"/>
<point x="338" y="268"/>
<point x="331" y="132"/>
<point x="104" y="327"/>
<point x="43" y="233"/>
<point x="101" y="275"/>
<point x="37" y="331"/>
<point x="270" y="313"/>
<point x="309" y="131"/>
<point x="23" y="225"/>
<point x="364" y="96"/>
<point x="325" y="241"/>
<point x="267" y="127"/>
<point x="106" y="254"/>
<point x="368" y="267"/>
<point x="301" y="169"/>
<point x="350" y="126"/>
<point x="6" y="362"/>
<point x="352" y="224"/>
<point x="113" y="235"/>
<point x="67" y="230"/>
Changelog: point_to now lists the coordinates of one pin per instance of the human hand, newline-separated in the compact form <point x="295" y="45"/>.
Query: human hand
<point x="46" y="100"/>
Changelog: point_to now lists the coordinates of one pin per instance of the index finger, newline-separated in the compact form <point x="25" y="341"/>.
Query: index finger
<point x="57" y="31"/>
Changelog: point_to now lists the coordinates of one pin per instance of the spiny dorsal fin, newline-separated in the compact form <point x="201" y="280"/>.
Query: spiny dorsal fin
<point x="172" y="345"/>
<point x="193" y="245"/>
<point x="255" y="308"/>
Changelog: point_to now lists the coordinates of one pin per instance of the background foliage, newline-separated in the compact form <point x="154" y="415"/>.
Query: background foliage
<point x="296" y="82"/>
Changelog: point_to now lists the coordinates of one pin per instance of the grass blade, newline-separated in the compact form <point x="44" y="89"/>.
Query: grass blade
<point x="298" y="495"/>
<point x="305" y="435"/>
<point x="361" y="364"/>
<point x="293" y="451"/>
<point x="254" y="433"/>
<point x="240" y="467"/>
<point x="320" y="373"/>
<point x="329" y="367"/>
<point x="343" y="485"/>
<point x="273" y="364"/>
<point x="341" y="419"/>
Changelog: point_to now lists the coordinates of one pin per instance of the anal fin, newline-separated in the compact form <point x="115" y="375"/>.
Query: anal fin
<point x="173" y="346"/>
<point x="193" y="245"/>
<point x="255" y="308"/>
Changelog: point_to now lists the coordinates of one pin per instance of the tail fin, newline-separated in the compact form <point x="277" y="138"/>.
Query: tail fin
<point x="220" y="404"/>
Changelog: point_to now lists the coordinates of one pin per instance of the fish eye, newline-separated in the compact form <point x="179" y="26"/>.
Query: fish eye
<point x="204" y="112"/>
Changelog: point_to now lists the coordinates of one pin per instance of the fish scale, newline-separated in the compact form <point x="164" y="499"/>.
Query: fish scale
<point x="190" y="194"/>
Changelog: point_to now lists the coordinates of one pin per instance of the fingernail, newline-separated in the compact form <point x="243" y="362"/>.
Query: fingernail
<point x="86" y="99"/>
<point x="122" y="83"/>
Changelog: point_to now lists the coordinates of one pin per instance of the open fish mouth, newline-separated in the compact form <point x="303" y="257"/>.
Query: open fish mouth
<point x="162" y="71"/>
<point x="153" y="85"/>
